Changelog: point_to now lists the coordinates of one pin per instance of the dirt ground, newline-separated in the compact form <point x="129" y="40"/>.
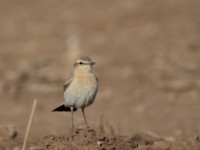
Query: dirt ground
<point x="148" y="60"/>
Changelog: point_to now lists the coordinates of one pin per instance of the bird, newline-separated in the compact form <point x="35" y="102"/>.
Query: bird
<point x="80" y="88"/>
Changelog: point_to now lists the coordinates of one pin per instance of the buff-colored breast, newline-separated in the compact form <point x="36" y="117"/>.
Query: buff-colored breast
<point x="82" y="90"/>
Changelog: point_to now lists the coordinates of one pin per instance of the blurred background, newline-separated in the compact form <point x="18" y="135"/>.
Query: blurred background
<point x="147" y="55"/>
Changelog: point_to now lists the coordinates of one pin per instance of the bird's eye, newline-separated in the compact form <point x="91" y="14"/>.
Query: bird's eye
<point x="80" y="63"/>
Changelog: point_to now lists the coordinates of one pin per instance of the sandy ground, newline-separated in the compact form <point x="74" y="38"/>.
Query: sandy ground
<point x="148" y="60"/>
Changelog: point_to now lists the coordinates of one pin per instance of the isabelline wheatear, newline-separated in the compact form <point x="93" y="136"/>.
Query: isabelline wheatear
<point x="80" y="89"/>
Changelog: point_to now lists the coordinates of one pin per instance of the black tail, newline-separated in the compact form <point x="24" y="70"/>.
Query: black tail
<point x="63" y="108"/>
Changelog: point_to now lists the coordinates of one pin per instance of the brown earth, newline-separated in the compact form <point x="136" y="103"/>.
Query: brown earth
<point x="90" y="139"/>
<point x="148" y="60"/>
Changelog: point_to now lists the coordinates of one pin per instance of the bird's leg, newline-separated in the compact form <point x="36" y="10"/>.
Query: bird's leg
<point x="84" y="117"/>
<point x="72" y="117"/>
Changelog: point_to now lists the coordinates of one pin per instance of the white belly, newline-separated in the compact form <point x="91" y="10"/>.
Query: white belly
<point x="80" y="94"/>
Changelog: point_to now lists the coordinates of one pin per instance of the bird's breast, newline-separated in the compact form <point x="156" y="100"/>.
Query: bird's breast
<point x="82" y="90"/>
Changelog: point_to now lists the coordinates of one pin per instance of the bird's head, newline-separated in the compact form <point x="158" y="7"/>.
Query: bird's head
<point x="84" y="64"/>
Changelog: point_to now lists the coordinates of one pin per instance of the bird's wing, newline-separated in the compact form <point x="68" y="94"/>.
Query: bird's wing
<point x="97" y="80"/>
<point x="68" y="82"/>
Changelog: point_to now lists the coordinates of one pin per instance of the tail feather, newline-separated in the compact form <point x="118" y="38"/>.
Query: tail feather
<point x="63" y="108"/>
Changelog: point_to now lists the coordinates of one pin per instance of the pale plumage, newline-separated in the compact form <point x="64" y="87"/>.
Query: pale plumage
<point x="81" y="87"/>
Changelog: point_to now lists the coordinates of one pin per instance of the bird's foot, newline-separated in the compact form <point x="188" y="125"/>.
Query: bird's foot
<point x="75" y="130"/>
<point x="89" y="129"/>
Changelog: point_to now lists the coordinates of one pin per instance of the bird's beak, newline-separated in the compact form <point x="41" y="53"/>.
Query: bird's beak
<point x="93" y="63"/>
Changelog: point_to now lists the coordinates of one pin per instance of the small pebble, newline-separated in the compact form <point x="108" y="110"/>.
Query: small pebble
<point x="161" y="145"/>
